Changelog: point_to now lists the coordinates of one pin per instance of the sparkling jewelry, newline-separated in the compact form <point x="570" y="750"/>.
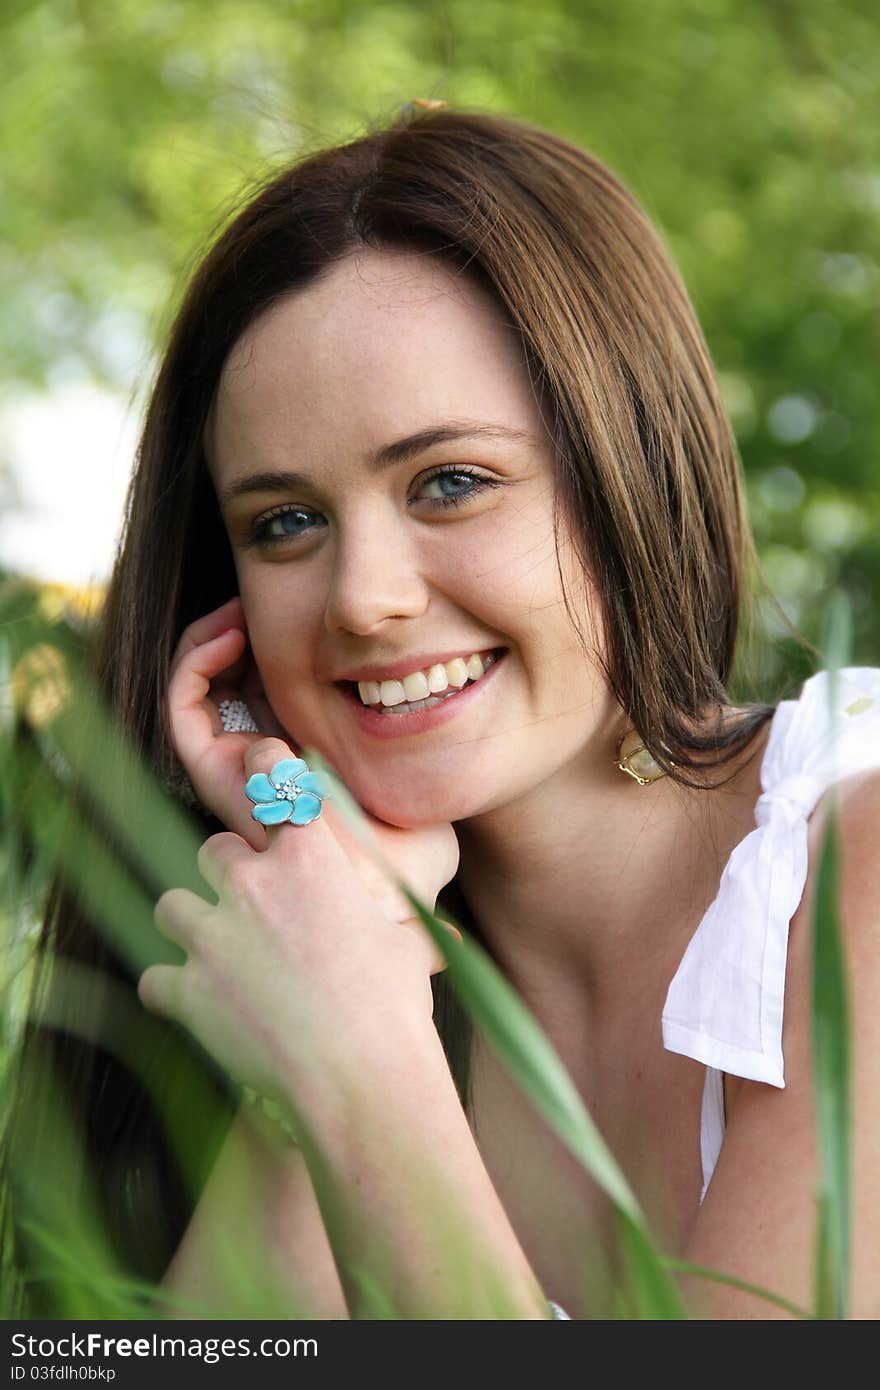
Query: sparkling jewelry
<point x="236" y="718"/>
<point x="634" y="759"/>
<point x="290" y="792"/>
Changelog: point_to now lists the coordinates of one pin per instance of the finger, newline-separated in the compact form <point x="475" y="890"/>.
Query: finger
<point x="159" y="990"/>
<point x="436" y="957"/>
<point x="285" y="793"/>
<point x="451" y="928"/>
<point x="419" y="860"/>
<point x="263" y="753"/>
<point x="212" y="758"/>
<point x="424" y="859"/>
<point x="218" y="854"/>
<point x="192" y="721"/>
<point x="206" y="628"/>
<point x="178" y="914"/>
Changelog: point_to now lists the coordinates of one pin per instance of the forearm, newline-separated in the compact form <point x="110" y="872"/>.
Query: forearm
<point x="416" y="1227"/>
<point x="255" y="1245"/>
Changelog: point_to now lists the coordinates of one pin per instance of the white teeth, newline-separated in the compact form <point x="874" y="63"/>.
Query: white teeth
<point x="369" y="692"/>
<point x="416" y="686"/>
<point x="392" y="692"/>
<point x="419" y="686"/>
<point x="437" y="679"/>
<point x="457" y="672"/>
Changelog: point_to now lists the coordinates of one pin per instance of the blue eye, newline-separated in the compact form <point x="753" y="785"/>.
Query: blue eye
<point x="288" y="523"/>
<point x="284" y="524"/>
<point x="454" y="476"/>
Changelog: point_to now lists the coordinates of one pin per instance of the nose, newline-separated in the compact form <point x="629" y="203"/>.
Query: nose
<point x="376" y="576"/>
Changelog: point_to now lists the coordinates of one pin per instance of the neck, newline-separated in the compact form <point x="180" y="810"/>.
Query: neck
<point x="590" y="887"/>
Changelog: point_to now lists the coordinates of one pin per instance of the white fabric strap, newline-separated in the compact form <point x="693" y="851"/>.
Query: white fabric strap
<point x="724" y="1005"/>
<point x="711" y="1125"/>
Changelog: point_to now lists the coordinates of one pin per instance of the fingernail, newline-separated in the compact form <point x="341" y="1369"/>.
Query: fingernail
<point x="449" y="927"/>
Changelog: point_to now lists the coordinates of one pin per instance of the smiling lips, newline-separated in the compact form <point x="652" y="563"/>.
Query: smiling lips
<point x="416" y="689"/>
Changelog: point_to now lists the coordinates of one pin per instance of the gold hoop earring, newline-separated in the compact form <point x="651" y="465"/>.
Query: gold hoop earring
<point x="634" y="759"/>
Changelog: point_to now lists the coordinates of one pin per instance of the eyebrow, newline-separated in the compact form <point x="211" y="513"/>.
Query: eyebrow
<point x="389" y="455"/>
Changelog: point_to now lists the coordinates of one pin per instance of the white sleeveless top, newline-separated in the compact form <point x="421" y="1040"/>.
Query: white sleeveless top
<point x="724" y="1005"/>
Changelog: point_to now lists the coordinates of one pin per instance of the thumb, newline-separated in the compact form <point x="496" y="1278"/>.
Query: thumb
<point x="436" y="956"/>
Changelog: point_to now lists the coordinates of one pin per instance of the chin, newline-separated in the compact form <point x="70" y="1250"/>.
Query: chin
<point x="412" y="811"/>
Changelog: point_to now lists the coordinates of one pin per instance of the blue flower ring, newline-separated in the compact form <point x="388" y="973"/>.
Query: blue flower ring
<point x="289" y="793"/>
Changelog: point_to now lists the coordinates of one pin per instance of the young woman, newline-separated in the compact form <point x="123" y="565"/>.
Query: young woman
<point x="436" y="479"/>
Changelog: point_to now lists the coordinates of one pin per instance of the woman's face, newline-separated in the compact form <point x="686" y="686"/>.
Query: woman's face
<point x="350" y="564"/>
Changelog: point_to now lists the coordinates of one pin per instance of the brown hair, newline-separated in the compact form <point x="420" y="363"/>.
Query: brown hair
<point x="647" y="474"/>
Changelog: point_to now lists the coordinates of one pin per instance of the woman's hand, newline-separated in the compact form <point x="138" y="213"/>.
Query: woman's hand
<point x="299" y="976"/>
<point x="212" y="663"/>
<point x="260" y="887"/>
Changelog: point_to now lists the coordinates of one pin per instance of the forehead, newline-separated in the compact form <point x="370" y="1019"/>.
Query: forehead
<point x="383" y="344"/>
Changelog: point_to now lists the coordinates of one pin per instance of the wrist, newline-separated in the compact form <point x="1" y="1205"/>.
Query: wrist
<point x="405" y="1074"/>
<point x="404" y="1194"/>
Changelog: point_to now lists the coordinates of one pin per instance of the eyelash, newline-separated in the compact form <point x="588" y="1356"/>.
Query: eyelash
<point x="258" y="538"/>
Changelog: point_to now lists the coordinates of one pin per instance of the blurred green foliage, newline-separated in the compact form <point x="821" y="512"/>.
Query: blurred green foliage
<point x="746" y="127"/>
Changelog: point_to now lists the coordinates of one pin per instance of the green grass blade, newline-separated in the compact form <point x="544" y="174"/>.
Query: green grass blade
<point x="832" y="1085"/>
<point x="831" y="1044"/>
<point x="648" y="1291"/>
<point x="701" y="1272"/>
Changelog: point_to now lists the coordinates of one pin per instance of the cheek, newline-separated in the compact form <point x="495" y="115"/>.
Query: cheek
<point x="278" y="637"/>
<point x="280" y="613"/>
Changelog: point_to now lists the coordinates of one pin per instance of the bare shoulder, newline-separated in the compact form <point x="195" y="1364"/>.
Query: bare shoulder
<point x="758" y="1219"/>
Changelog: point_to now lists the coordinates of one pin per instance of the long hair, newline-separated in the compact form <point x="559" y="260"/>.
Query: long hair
<point x="647" y="475"/>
